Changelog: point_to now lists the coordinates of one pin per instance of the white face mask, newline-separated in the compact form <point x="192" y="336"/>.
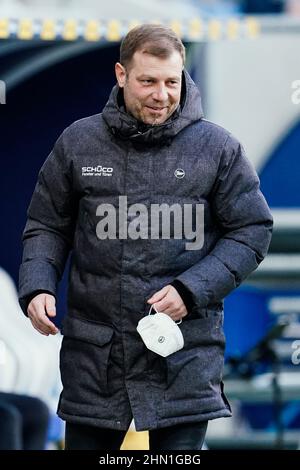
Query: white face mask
<point x="160" y="333"/>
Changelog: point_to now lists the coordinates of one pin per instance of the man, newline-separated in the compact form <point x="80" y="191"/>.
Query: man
<point x="152" y="146"/>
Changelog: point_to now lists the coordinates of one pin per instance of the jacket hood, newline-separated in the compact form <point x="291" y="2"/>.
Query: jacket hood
<point x="127" y="127"/>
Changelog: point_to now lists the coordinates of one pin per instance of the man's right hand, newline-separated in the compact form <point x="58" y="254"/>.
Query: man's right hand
<point x="39" y="309"/>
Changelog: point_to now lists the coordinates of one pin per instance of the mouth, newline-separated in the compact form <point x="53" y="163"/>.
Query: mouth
<point x="156" y="109"/>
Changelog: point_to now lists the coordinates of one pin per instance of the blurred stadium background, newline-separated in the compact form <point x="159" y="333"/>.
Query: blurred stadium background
<point x="57" y="65"/>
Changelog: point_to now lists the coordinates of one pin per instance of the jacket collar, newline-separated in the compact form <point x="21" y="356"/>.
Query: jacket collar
<point x="126" y="127"/>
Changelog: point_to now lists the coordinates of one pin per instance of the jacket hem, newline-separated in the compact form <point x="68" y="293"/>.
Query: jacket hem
<point x="166" y="422"/>
<point x="92" y="421"/>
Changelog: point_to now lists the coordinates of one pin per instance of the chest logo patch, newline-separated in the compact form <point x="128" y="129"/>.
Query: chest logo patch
<point x="97" y="170"/>
<point x="179" y="173"/>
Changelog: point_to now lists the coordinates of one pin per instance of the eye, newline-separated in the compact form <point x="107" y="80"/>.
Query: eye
<point x="147" y="82"/>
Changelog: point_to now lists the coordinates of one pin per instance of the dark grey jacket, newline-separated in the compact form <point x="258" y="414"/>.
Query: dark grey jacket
<point x="108" y="374"/>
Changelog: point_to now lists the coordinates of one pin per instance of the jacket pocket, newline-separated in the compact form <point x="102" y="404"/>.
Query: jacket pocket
<point x="197" y="369"/>
<point x="84" y="359"/>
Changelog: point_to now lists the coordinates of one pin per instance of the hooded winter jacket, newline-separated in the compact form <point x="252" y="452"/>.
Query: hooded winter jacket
<point x="108" y="374"/>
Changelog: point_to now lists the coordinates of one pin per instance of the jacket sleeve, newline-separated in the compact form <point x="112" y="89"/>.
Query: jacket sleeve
<point x="241" y="211"/>
<point x="48" y="234"/>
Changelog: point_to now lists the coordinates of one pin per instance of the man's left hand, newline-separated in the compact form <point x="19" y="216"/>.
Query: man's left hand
<point x="167" y="300"/>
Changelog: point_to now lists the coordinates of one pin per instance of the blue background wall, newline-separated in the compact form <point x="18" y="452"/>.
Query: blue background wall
<point x="247" y="317"/>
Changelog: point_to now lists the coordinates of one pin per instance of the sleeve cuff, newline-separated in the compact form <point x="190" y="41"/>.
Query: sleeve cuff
<point x="36" y="277"/>
<point x="184" y="294"/>
<point x="25" y="301"/>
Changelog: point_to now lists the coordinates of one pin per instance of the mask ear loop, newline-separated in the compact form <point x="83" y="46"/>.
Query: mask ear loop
<point x="153" y="307"/>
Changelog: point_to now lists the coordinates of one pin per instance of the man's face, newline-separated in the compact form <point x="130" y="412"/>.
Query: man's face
<point x="151" y="86"/>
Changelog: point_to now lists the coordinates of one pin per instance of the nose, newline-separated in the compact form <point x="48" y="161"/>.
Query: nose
<point x="161" y="93"/>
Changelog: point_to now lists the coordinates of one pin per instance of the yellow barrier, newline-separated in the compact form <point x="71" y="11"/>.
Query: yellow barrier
<point x="4" y="29"/>
<point x="113" y="30"/>
<point x="25" y="30"/>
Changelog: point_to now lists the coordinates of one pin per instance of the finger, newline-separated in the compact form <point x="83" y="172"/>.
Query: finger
<point x="168" y="311"/>
<point x="45" y="324"/>
<point x="38" y="325"/>
<point x="45" y="329"/>
<point x="41" y="319"/>
<point x="159" y="295"/>
<point x="50" y="306"/>
<point x="38" y="329"/>
<point x="175" y="317"/>
<point x="168" y="304"/>
<point x="163" y="306"/>
<point x="176" y="313"/>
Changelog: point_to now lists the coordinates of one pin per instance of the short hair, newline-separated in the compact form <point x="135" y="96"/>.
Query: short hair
<point x="157" y="40"/>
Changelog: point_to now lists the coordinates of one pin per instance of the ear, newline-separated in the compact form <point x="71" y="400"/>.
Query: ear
<point x="120" y="74"/>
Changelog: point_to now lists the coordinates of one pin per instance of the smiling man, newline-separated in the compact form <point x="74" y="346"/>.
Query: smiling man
<point x="151" y="84"/>
<point x="151" y="145"/>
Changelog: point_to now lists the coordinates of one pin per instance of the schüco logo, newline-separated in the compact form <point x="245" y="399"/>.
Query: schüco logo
<point x="97" y="170"/>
